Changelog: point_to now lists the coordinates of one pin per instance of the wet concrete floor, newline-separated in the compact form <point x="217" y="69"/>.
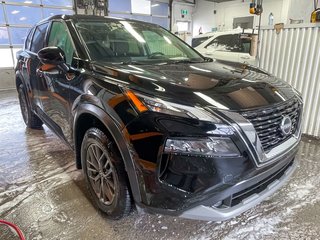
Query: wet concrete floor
<point x="42" y="191"/>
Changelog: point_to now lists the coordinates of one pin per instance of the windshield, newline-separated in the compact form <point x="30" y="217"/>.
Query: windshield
<point x="129" y="42"/>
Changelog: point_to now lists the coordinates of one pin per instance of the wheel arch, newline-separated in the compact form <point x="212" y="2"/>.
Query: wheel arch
<point x="87" y="116"/>
<point x="18" y="81"/>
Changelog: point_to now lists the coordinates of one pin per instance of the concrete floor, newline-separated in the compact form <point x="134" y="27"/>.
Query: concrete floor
<point x="42" y="191"/>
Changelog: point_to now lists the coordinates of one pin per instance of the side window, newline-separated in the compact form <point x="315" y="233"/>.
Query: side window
<point x="28" y="40"/>
<point x="197" y="41"/>
<point x="38" y="38"/>
<point x="227" y="43"/>
<point x="59" y="37"/>
<point x="160" y="44"/>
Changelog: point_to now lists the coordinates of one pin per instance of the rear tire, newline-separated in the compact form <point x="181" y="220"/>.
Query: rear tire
<point x="105" y="174"/>
<point x="30" y="119"/>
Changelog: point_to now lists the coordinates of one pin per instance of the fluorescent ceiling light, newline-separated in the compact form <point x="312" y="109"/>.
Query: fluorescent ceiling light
<point x="211" y="101"/>
<point x="167" y="39"/>
<point x="200" y="69"/>
<point x="137" y="68"/>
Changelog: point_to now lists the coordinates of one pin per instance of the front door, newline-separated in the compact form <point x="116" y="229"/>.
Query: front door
<point x="55" y="100"/>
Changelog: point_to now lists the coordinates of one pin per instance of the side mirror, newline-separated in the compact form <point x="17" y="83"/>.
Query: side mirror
<point x="53" y="56"/>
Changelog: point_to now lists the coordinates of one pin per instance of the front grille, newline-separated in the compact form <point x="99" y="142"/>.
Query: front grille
<point x="267" y="122"/>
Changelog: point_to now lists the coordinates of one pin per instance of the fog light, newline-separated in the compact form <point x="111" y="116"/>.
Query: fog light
<point x="210" y="147"/>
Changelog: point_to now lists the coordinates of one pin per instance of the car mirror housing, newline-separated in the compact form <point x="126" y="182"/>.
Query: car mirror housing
<point x="53" y="56"/>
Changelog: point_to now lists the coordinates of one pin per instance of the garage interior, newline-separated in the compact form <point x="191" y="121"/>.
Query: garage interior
<point x="43" y="192"/>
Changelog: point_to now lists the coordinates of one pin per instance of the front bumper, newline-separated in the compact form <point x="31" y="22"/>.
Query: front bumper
<point x="193" y="187"/>
<point x="210" y="213"/>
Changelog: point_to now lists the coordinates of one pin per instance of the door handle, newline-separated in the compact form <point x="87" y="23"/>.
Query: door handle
<point x="209" y="53"/>
<point x="245" y="57"/>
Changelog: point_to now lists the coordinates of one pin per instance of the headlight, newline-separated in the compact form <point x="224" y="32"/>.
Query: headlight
<point x="210" y="147"/>
<point x="145" y="103"/>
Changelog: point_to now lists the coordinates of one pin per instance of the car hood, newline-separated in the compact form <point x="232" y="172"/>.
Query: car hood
<point x="223" y="85"/>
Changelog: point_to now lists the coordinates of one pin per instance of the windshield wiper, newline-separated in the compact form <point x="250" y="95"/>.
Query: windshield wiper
<point x="181" y="61"/>
<point x="128" y="63"/>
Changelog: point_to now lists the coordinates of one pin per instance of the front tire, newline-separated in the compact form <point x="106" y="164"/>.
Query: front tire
<point x="105" y="174"/>
<point x="30" y="119"/>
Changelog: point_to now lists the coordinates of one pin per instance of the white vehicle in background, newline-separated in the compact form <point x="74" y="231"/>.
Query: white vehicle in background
<point x="235" y="45"/>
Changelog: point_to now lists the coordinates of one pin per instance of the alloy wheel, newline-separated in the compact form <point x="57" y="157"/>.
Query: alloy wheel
<point x="101" y="173"/>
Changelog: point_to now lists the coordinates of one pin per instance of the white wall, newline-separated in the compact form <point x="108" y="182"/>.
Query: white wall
<point x="204" y="17"/>
<point x="282" y="11"/>
<point x="176" y="11"/>
<point x="176" y="16"/>
<point x="300" y="9"/>
<point x="228" y="10"/>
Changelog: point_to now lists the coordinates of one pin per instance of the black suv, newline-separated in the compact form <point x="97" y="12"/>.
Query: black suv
<point x="153" y="122"/>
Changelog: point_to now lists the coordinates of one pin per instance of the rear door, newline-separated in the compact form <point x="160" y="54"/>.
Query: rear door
<point x="29" y="63"/>
<point x="24" y="60"/>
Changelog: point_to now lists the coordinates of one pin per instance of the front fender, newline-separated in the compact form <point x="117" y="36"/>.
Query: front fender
<point x="126" y="152"/>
